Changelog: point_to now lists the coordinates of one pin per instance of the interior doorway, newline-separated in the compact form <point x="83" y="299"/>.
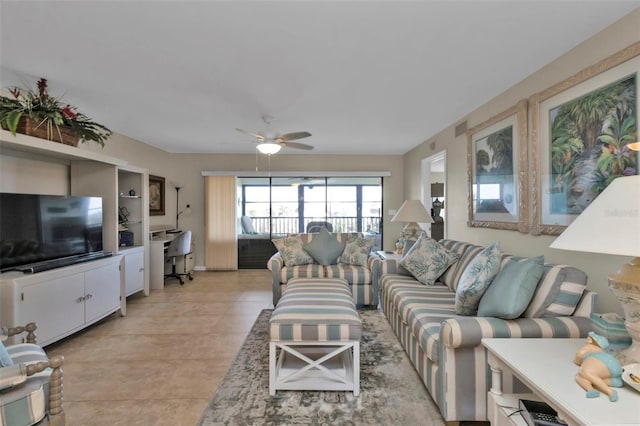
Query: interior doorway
<point x="434" y="171"/>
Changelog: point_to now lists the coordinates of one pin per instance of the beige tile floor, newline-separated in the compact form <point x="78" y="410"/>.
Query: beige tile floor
<point x="161" y="364"/>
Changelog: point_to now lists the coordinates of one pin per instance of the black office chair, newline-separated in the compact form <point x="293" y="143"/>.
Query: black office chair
<point x="179" y="246"/>
<point x="313" y="227"/>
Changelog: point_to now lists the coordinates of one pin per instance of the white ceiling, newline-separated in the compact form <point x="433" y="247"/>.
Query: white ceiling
<point x="377" y="77"/>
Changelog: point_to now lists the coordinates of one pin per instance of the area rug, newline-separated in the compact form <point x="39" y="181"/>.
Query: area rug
<point x="391" y="392"/>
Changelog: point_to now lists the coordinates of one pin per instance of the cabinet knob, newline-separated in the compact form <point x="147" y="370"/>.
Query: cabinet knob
<point x="80" y="299"/>
<point x="141" y="270"/>
<point x="88" y="296"/>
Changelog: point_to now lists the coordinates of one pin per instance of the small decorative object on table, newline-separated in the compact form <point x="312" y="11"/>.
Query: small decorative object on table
<point x="631" y="375"/>
<point x="611" y="326"/>
<point x="599" y="371"/>
<point x="39" y="114"/>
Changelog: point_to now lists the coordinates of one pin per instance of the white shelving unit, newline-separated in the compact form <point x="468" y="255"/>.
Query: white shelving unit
<point x="90" y="174"/>
<point x="133" y="193"/>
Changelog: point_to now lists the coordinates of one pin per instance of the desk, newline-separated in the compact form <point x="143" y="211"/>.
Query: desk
<point x="546" y="367"/>
<point x="158" y="244"/>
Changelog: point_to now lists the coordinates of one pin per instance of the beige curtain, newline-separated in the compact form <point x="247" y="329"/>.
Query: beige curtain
<point x="221" y="247"/>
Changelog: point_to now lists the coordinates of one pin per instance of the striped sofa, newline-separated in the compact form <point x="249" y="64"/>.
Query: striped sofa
<point x="362" y="280"/>
<point x="445" y="348"/>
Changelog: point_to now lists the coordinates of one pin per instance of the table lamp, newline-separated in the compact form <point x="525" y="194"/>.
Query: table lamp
<point x="611" y="225"/>
<point x="412" y="211"/>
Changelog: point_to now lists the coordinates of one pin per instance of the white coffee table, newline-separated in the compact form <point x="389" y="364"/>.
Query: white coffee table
<point x="546" y="367"/>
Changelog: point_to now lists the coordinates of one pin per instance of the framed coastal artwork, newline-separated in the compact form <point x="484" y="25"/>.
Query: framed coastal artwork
<point x="498" y="171"/>
<point x="156" y="195"/>
<point x="580" y="132"/>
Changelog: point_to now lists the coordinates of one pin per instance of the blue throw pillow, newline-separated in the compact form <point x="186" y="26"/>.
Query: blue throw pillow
<point x="512" y="289"/>
<point x="324" y="247"/>
<point x="476" y="278"/>
<point x="5" y="359"/>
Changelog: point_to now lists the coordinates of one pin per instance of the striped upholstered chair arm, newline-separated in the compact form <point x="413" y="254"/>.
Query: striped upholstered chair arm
<point x="275" y="264"/>
<point x="37" y="376"/>
<point x="461" y="332"/>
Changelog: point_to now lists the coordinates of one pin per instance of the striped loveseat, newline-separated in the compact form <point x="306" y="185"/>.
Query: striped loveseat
<point x="362" y="280"/>
<point x="445" y="348"/>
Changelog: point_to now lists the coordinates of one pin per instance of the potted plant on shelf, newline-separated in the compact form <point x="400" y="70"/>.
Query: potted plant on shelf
<point x="39" y="114"/>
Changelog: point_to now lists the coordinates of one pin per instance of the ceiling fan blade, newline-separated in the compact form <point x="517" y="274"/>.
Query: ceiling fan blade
<point x="255" y="135"/>
<point x="297" y="145"/>
<point x="292" y="136"/>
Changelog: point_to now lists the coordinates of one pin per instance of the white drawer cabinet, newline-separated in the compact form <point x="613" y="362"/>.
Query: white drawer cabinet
<point x="56" y="305"/>
<point x="61" y="301"/>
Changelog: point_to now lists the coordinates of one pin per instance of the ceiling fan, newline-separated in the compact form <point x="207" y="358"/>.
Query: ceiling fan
<point x="268" y="144"/>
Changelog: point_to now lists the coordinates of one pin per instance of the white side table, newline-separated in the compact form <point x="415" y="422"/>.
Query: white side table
<point x="546" y="367"/>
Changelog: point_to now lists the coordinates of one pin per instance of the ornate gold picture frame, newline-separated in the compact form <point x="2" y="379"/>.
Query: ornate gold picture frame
<point x="498" y="171"/>
<point x="580" y="129"/>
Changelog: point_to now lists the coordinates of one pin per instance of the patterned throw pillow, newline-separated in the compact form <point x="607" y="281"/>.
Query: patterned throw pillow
<point x="356" y="251"/>
<point x="476" y="278"/>
<point x="324" y="247"/>
<point x="292" y="252"/>
<point x="427" y="260"/>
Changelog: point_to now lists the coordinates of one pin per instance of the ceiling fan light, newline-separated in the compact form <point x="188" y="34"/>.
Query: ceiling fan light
<point x="269" y="148"/>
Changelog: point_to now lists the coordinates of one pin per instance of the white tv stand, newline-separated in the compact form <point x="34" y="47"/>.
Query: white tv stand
<point x="63" y="300"/>
<point x="67" y="299"/>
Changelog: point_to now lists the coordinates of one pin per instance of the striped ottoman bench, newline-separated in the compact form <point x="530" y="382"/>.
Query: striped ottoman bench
<point x="315" y="337"/>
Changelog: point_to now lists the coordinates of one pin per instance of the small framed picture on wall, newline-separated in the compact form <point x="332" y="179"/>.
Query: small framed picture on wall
<point x="156" y="195"/>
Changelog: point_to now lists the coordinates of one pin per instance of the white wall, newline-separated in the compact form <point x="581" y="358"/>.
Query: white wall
<point x="612" y="39"/>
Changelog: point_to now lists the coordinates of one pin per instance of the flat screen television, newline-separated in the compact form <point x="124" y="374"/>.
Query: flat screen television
<point x="39" y="228"/>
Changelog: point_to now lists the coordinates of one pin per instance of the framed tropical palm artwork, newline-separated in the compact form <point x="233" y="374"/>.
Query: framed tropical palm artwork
<point x="498" y="172"/>
<point x="580" y="132"/>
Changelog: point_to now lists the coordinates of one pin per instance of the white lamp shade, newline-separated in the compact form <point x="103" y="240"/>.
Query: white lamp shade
<point x="610" y="224"/>
<point x="412" y="211"/>
<point x="269" y="147"/>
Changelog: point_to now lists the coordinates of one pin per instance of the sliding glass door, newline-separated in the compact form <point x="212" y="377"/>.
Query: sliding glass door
<point x="286" y="205"/>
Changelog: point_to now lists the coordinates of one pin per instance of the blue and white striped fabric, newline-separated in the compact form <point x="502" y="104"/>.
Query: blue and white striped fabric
<point x="446" y="348"/>
<point x="317" y="310"/>
<point x="25" y="404"/>
<point x="558" y="292"/>
<point x="362" y="279"/>
<point x="467" y="252"/>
